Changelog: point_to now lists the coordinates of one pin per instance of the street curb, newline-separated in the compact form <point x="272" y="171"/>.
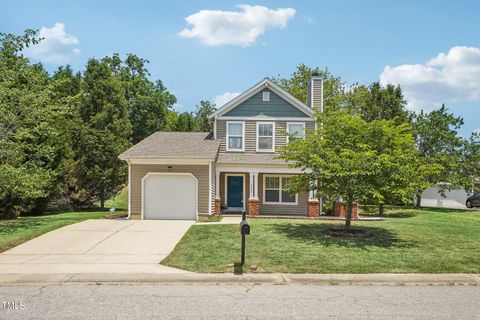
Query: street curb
<point x="265" y="278"/>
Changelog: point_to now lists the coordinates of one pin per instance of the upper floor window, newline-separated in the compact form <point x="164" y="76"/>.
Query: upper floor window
<point x="265" y="136"/>
<point x="235" y="136"/>
<point x="296" y="130"/>
<point x="266" y="96"/>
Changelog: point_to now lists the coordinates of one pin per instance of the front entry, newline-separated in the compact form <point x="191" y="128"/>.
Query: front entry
<point x="235" y="191"/>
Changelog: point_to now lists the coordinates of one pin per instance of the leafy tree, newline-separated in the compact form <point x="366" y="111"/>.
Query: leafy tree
<point x="102" y="136"/>
<point x="33" y="139"/>
<point x="297" y="85"/>
<point x="471" y="161"/>
<point x="205" y="109"/>
<point x="148" y="102"/>
<point x="438" y="143"/>
<point x="185" y="122"/>
<point x="351" y="158"/>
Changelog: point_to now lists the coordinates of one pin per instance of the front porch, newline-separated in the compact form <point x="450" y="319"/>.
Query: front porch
<point x="260" y="191"/>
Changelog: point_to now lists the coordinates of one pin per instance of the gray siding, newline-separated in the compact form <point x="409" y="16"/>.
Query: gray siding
<point x="276" y="107"/>
<point x="140" y="170"/>
<point x="251" y="134"/>
<point x="277" y="209"/>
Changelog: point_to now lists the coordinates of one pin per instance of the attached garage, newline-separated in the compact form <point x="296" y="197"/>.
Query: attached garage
<point x="171" y="175"/>
<point x="169" y="196"/>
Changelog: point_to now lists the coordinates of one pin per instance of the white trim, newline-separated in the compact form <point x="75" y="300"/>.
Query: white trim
<point x="273" y="137"/>
<point x="129" y="189"/>
<point x="280" y="191"/>
<point x="226" y="186"/>
<point x="265" y="83"/>
<point x="227" y="136"/>
<point x="210" y="187"/>
<point x="215" y="129"/>
<point x="265" y="118"/>
<point x="289" y="123"/>
<point x="172" y="161"/>
<point x="217" y="183"/>
<point x="247" y="168"/>
<point x="168" y="174"/>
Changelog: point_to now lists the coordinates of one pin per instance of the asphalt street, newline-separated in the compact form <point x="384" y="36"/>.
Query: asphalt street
<point x="156" y="301"/>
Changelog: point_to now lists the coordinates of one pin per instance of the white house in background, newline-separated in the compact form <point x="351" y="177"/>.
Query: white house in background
<point x="454" y="199"/>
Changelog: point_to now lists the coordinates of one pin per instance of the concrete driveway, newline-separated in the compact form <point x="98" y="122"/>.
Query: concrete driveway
<point x="98" y="246"/>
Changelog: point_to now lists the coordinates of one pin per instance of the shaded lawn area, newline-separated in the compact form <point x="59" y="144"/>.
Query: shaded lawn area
<point x="15" y="232"/>
<point x="409" y="240"/>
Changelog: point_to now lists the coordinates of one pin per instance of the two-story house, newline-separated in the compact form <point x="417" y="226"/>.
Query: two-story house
<point x="179" y="175"/>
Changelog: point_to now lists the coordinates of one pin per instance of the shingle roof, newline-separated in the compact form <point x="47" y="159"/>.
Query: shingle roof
<point x="174" y="145"/>
<point x="249" y="158"/>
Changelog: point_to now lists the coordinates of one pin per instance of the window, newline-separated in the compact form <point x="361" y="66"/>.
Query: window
<point x="235" y="135"/>
<point x="266" y="136"/>
<point x="275" y="191"/>
<point x="296" y="130"/>
<point x="266" y="96"/>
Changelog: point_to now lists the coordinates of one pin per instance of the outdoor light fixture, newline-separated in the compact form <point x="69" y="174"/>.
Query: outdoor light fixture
<point x="169" y="168"/>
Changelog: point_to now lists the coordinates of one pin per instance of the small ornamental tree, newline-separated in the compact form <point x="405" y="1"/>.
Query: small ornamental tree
<point x="351" y="158"/>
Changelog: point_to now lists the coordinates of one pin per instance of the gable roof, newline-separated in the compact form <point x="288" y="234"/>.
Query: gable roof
<point x="265" y="83"/>
<point x="197" y="145"/>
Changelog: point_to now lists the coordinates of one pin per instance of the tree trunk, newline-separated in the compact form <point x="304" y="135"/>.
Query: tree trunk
<point x="381" y="209"/>
<point x="419" y="200"/>
<point x="348" y="217"/>
<point x="102" y="203"/>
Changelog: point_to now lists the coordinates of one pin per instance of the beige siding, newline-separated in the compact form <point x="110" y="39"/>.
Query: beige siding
<point x="251" y="134"/>
<point x="277" y="209"/>
<point x="212" y="188"/>
<point x="138" y="171"/>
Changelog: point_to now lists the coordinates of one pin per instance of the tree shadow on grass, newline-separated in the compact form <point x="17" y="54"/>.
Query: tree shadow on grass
<point x="390" y="215"/>
<point x="318" y="233"/>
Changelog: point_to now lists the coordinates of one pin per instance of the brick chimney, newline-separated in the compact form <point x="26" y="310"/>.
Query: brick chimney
<point x="315" y="93"/>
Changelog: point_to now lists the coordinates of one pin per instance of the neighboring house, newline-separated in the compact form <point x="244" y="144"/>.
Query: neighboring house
<point x="179" y="175"/>
<point x="455" y="199"/>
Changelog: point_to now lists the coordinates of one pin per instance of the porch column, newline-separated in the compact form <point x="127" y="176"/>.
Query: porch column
<point x="253" y="201"/>
<point x="313" y="210"/>
<point x="218" y="201"/>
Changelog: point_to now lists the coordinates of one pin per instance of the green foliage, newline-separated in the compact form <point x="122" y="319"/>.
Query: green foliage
<point x="354" y="159"/>
<point x="185" y="122"/>
<point x="205" y="109"/>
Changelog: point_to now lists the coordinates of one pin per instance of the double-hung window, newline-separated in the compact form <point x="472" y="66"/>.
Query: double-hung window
<point x="266" y="136"/>
<point x="296" y="130"/>
<point x="275" y="191"/>
<point x="235" y="136"/>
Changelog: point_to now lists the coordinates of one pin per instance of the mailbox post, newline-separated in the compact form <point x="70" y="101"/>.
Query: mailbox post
<point x="244" y="230"/>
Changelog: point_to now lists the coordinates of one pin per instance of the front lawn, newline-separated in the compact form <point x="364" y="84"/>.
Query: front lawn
<point x="409" y="240"/>
<point x="15" y="232"/>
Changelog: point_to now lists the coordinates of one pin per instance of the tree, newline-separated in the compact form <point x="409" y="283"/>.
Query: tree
<point x="438" y="143"/>
<point x="185" y="122"/>
<point x="148" y="102"/>
<point x="471" y="161"/>
<point x="297" y="85"/>
<point x="205" y="109"/>
<point x="342" y="157"/>
<point x="104" y="133"/>
<point x="33" y="139"/>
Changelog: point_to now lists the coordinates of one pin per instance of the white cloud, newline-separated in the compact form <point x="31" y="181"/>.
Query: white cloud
<point x="57" y="47"/>
<point x="241" y="28"/>
<point x="220" y="100"/>
<point x="450" y="77"/>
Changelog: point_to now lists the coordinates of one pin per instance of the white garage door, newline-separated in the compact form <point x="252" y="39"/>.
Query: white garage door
<point x="169" y="196"/>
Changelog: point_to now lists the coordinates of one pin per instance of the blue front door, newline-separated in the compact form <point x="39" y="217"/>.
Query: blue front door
<point x="234" y="191"/>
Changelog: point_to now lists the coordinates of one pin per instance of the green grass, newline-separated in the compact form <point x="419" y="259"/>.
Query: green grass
<point x="409" y="240"/>
<point x="212" y="218"/>
<point x="15" y="232"/>
<point x="120" y="201"/>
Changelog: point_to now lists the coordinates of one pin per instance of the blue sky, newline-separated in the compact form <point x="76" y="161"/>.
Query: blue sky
<point x="431" y="48"/>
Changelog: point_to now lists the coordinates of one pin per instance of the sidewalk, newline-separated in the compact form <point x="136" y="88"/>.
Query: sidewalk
<point x="222" y="278"/>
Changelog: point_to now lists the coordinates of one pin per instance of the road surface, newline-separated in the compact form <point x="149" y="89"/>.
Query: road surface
<point x="155" y="301"/>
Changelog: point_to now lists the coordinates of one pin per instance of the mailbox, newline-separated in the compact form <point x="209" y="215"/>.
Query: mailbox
<point x="244" y="228"/>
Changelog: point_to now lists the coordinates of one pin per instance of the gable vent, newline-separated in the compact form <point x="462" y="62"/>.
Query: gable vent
<point x="266" y="96"/>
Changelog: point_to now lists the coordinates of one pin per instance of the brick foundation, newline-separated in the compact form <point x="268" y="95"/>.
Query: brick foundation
<point x="253" y="207"/>
<point x="313" y="210"/>
<point x="340" y="210"/>
<point x="218" y="206"/>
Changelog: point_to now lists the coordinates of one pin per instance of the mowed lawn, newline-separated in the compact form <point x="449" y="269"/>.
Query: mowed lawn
<point x="409" y="240"/>
<point x="15" y="232"/>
